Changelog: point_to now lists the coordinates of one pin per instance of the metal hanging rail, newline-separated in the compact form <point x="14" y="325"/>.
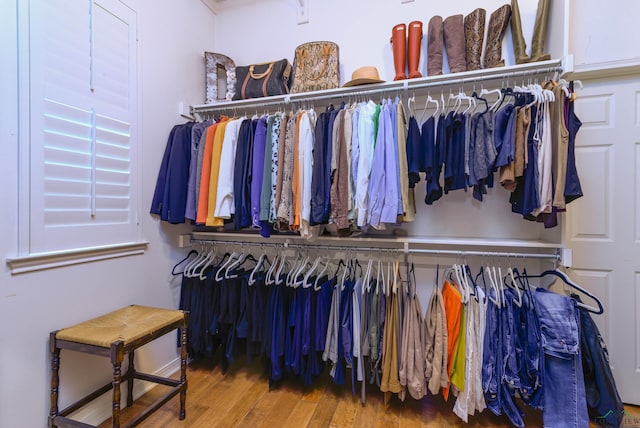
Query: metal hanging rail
<point x="467" y="77"/>
<point x="406" y="249"/>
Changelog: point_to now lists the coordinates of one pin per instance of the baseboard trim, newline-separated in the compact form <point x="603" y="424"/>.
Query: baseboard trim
<point x="99" y="410"/>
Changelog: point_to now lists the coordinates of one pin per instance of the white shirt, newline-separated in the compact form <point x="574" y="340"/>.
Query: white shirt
<point x="224" y="197"/>
<point x="365" y="159"/>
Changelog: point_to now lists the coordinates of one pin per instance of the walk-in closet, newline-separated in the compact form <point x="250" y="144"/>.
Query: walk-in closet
<point x="304" y="213"/>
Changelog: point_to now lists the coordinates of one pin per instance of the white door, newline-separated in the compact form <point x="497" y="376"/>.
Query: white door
<point x="603" y="227"/>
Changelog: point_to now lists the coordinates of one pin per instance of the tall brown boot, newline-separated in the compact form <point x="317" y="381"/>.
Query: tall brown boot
<point x="539" y="32"/>
<point x="474" y="36"/>
<point x="454" y="43"/>
<point x="519" y="45"/>
<point x="434" y="46"/>
<point x="497" y="26"/>
<point x="399" y="42"/>
<point x="415" y="44"/>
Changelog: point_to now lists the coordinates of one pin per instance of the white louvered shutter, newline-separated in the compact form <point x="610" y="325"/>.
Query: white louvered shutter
<point x="83" y="125"/>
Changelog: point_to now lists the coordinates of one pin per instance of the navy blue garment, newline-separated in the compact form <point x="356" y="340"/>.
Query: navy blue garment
<point x="414" y="152"/>
<point x="158" y="195"/>
<point x="278" y="331"/>
<point x="290" y="311"/>
<point x="242" y="327"/>
<point x="210" y="298"/>
<point x="504" y="134"/>
<point x="328" y="178"/>
<point x="308" y="315"/>
<point x="298" y="331"/>
<point x="174" y="198"/>
<point x="242" y="174"/>
<point x="318" y="179"/>
<point x="529" y="351"/>
<point x="346" y="325"/>
<point x="603" y="401"/>
<point x="428" y="158"/>
<point x="257" y="296"/>
<point x="572" y="187"/>
<point x="449" y="147"/>
<point x="434" y="189"/>
<point x="492" y="358"/>
<point x="228" y="318"/>
<point x="455" y="178"/>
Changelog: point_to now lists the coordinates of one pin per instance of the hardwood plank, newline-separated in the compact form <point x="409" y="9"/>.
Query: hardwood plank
<point x="301" y="414"/>
<point x="345" y="413"/>
<point x="325" y="409"/>
<point x="241" y="398"/>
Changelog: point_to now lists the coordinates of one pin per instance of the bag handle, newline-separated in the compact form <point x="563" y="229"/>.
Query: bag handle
<point x="252" y="74"/>
<point x="326" y="51"/>
<point x="261" y="75"/>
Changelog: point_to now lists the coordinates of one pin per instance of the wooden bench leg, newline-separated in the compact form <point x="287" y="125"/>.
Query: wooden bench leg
<point x="183" y="365"/>
<point x="55" y="377"/>
<point x="131" y="371"/>
<point x="117" y="355"/>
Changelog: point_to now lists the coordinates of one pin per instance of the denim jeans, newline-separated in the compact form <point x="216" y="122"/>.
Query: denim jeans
<point x="498" y="362"/>
<point x="603" y="401"/>
<point x="564" y="400"/>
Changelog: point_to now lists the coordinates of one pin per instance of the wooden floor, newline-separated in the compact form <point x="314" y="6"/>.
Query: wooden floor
<point x="241" y="398"/>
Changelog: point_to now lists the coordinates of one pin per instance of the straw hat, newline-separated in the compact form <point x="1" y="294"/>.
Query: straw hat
<point x="363" y="76"/>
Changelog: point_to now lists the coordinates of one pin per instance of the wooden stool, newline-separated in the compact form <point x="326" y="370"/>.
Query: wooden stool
<point x="114" y="335"/>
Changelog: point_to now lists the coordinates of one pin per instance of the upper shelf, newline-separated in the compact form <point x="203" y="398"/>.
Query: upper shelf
<point x="477" y="76"/>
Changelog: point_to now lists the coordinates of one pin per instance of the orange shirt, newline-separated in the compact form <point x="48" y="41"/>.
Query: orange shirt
<point x="295" y="181"/>
<point x="216" y="153"/>
<point x="203" y="195"/>
<point x="452" y="300"/>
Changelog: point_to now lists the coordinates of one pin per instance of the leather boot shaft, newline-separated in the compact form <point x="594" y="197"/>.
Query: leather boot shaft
<point x="474" y="24"/>
<point x="517" y="38"/>
<point x="415" y="45"/>
<point x="498" y="23"/>
<point x="399" y="45"/>
<point x="435" y="44"/>
<point x="540" y="32"/>
<point x="454" y="43"/>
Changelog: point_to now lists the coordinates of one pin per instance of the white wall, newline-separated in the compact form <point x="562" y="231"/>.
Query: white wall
<point x="173" y="36"/>
<point x="251" y="31"/>
<point x="255" y="31"/>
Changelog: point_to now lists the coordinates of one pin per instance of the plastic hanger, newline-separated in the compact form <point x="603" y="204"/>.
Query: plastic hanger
<point x="514" y="285"/>
<point x="295" y="283"/>
<point x="193" y="263"/>
<point x="494" y="287"/>
<point x="316" y="287"/>
<point x="221" y="269"/>
<point x="191" y="253"/>
<point x="257" y="268"/>
<point x="211" y="256"/>
<point x="563" y="276"/>
<point x="197" y="268"/>
<point x="283" y="262"/>
<point x="314" y="266"/>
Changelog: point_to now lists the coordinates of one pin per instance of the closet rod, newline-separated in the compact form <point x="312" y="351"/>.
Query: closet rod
<point x="405" y="250"/>
<point x="467" y="77"/>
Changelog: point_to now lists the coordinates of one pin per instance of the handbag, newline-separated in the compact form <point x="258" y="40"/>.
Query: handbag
<point x="262" y="80"/>
<point x="315" y="67"/>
